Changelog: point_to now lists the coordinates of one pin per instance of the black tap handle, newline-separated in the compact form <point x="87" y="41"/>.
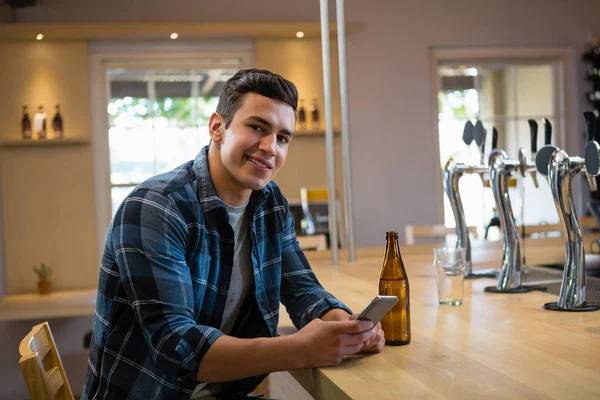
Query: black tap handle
<point x="494" y="138"/>
<point x="468" y="133"/>
<point x="533" y="129"/>
<point x="590" y="125"/>
<point x="547" y="132"/>
<point x="478" y="133"/>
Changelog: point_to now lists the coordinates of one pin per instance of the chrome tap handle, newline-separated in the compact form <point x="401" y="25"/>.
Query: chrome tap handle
<point x="501" y="170"/>
<point x="452" y="173"/>
<point x="562" y="169"/>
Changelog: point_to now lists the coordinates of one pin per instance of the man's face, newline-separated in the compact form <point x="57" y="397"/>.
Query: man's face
<point x="254" y="146"/>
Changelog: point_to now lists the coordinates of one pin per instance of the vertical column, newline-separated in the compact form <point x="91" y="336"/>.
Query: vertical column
<point x="333" y="232"/>
<point x="346" y="164"/>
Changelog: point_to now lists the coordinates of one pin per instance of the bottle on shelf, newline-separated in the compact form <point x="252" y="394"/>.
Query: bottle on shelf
<point x="314" y="116"/>
<point x="393" y="281"/>
<point x="57" y="123"/>
<point x="26" y="124"/>
<point x="39" y="123"/>
<point x="302" y="116"/>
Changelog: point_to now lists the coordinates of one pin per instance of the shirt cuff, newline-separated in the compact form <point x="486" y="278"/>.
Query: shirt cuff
<point x="328" y="304"/>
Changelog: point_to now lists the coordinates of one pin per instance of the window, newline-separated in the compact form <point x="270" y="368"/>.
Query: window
<point x="503" y="95"/>
<point x="170" y="85"/>
<point x="157" y="121"/>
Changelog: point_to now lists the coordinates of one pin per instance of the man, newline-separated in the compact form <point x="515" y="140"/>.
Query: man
<point x="198" y="259"/>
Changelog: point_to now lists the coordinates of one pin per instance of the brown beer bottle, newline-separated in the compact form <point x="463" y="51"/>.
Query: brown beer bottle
<point x="393" y="281"/>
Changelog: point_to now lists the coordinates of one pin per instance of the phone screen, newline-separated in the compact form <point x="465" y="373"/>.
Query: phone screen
<point x="378" y="308"/>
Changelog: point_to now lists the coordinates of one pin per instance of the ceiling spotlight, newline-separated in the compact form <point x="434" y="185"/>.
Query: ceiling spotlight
<point x="39" y="36"/>
<point x="299" y="34"/>
<point x="174" y="35"/>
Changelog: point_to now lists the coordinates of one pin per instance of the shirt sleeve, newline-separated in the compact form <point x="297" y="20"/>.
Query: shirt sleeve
<point x="301" y="293"/>
<point x="149" y="238"/>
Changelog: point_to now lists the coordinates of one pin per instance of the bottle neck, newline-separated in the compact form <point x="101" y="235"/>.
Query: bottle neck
<point x="393" y="268"/>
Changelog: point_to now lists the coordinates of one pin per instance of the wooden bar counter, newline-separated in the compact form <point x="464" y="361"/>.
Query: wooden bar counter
<point x="493" y="346"/>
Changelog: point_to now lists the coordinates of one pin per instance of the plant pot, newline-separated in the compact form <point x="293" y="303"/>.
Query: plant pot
<point x="44" y="287"/>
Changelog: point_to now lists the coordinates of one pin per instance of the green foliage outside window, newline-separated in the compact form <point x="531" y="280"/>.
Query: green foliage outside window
<point x="182" y="112"/>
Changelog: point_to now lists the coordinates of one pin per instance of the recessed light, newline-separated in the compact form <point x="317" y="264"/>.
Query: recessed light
<point x="299" y="34"/>
<point x="174" y="35"/>
<point x="39" y="36"/>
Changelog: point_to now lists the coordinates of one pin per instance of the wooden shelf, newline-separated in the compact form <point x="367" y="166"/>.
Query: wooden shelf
<point x="141" y="31"/>
<point x="59" y="304"/>
<point x="43" y="142"/>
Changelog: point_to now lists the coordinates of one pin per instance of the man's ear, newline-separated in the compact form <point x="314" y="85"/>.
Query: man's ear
<point x="216" y="127"/>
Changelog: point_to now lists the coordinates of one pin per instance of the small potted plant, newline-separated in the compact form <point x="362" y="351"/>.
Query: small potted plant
<point x="44" y="283"/>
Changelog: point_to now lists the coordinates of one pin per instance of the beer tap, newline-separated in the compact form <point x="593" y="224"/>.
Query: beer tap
<point x="453" y="171"/>
<point x="561" y="169"/>
<point x="501" y="170"/>
<point x="543" y="156"/>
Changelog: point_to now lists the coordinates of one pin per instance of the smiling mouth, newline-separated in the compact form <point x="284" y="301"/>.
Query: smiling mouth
<point x="258" y="164"/>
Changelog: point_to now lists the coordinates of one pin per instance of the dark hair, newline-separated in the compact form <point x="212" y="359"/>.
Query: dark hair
<point x="260" y="81"/>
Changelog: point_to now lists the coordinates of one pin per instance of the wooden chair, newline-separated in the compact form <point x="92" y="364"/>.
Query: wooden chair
<point x="587" y="224"/>
<point x="541" y="230"/>
<point x="312" y="242"/>
<point x="412" y="232"/>
<point x="41" y="366"/>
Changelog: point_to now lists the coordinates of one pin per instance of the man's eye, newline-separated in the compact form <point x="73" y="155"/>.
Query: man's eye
<point x="257" y="128"/>
<point x="283" y="139"/>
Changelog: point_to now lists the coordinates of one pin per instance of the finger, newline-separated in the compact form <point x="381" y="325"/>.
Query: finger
<point x="373" y="342"/>
<point x="349" y="350"/>
<point x="348" y="327"/>
<point x="376" y="347"/>
<point x="358" y="338"/>
<point x="378" y="340"/>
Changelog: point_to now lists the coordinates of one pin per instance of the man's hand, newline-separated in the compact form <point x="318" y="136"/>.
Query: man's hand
<point x="374" y="345"/>
<point x="326" y="343"/>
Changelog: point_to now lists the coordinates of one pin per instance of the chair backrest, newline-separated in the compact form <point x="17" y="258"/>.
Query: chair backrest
<point x="41" y="366"/>
<point x="312" y="242"/>
<point x="412" y="232"/>
<point x="541" y="230"/>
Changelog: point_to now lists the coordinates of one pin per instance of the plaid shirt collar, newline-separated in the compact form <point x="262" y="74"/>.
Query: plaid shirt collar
<point x="206" y="188"/>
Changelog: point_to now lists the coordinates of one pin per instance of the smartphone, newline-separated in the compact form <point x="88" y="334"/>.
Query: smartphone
<point x="377" y="308"/>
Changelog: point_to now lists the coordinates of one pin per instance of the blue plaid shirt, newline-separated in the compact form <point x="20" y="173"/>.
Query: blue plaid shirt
<point x="164" y="280"/>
